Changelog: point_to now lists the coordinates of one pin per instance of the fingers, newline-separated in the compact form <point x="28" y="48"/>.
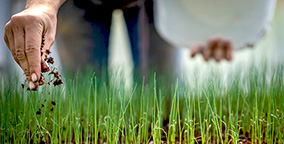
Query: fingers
<point x="219" y="52"/>
<point x="228" y="50"/>
<point x="33" y="40"/>
<point x="216" y="48"/>
<point x="207" y="53"/>
<point x="19" y="42"/>
<point x="9" y="40"/>
<point x="197" y="49"/>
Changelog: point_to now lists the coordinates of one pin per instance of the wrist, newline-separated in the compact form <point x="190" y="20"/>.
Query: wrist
<point x="50" y="6"/>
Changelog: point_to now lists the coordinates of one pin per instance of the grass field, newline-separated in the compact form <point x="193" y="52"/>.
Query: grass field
<point x="89" y="109"/>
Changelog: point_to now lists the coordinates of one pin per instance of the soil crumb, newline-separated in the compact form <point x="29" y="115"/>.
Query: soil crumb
<point x="41" y="80"/>
<point x="53" y="102"/>
<point x="38" y="112"/>
<point x="56" y="78"/>
<point x="57" y="82"/>
<point x="52" y="108"/>
<point x="48" y="60"/>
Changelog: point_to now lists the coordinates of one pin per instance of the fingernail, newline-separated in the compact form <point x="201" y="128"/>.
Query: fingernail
<point x="31" y="85"/>
<point x="34" y="77"/>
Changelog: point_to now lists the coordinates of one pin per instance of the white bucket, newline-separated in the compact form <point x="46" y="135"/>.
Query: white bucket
<point x="185" y="23"/>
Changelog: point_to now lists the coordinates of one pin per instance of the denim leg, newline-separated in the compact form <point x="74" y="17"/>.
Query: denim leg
<point x="131" y="19"/>
<point x="100" y="20"/>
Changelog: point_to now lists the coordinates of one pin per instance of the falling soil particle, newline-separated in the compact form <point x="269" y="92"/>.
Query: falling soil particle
<point x="38" y="112"/>
<point x="47" y="52"/>
<point x="42" y="105"/>
<point x="47" y="122"/>
<point x="53" y="102"/>
<point x="56" y="76"/>
<point x="57" y="82"/>
<point x="54" y="73"/>
<point x="45" y="100"/>
<point x="46" y="69"/>
<point x="23" y="85"/>
<point x="50" y="60"/>
<point x="41" y="80"/>
<point x="52" y="108"/>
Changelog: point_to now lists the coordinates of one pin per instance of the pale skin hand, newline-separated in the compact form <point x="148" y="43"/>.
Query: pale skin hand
<point x="216" y="48"/>
<point x="25" y="33"/>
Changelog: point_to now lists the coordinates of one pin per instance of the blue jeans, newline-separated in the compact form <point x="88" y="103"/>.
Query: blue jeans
<point x="100" y="19"/>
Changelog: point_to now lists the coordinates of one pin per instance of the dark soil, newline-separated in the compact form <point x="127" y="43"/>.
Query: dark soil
<point x="38" y="112"/>
<point x="57" y="82"/>
<point x="52" y="108"/>
<point x="41" y="80"/>
<point x="50" y="60"/>
<point x="56" y="78"/>
<point x="53" y="102"/>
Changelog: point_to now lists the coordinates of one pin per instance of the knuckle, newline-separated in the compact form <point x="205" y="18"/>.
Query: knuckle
<point x="20" y="54"/>
<point x="14" y="54"/>
<point x="24" y="18"/>
<point x="7" y="27"/>
<point x="30" y="49"/>
<point x="18" y="62"/>
<point x="15" y="19"/>
<point x="31" y="18"/>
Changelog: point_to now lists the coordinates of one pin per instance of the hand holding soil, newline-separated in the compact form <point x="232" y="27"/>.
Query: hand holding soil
<point x="29" y="36"/>
<point x="216" y="48"/>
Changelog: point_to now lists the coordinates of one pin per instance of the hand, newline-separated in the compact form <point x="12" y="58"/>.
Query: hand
<point x="25" y="34"/>
<point x="216" y="48"/>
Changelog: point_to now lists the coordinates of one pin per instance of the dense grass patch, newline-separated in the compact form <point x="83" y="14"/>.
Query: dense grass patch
<point x="88" y="109"/>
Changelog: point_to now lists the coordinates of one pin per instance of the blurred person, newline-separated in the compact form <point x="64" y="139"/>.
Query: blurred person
<point x="26" y="30"/>
<point x="99" y="14"/>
